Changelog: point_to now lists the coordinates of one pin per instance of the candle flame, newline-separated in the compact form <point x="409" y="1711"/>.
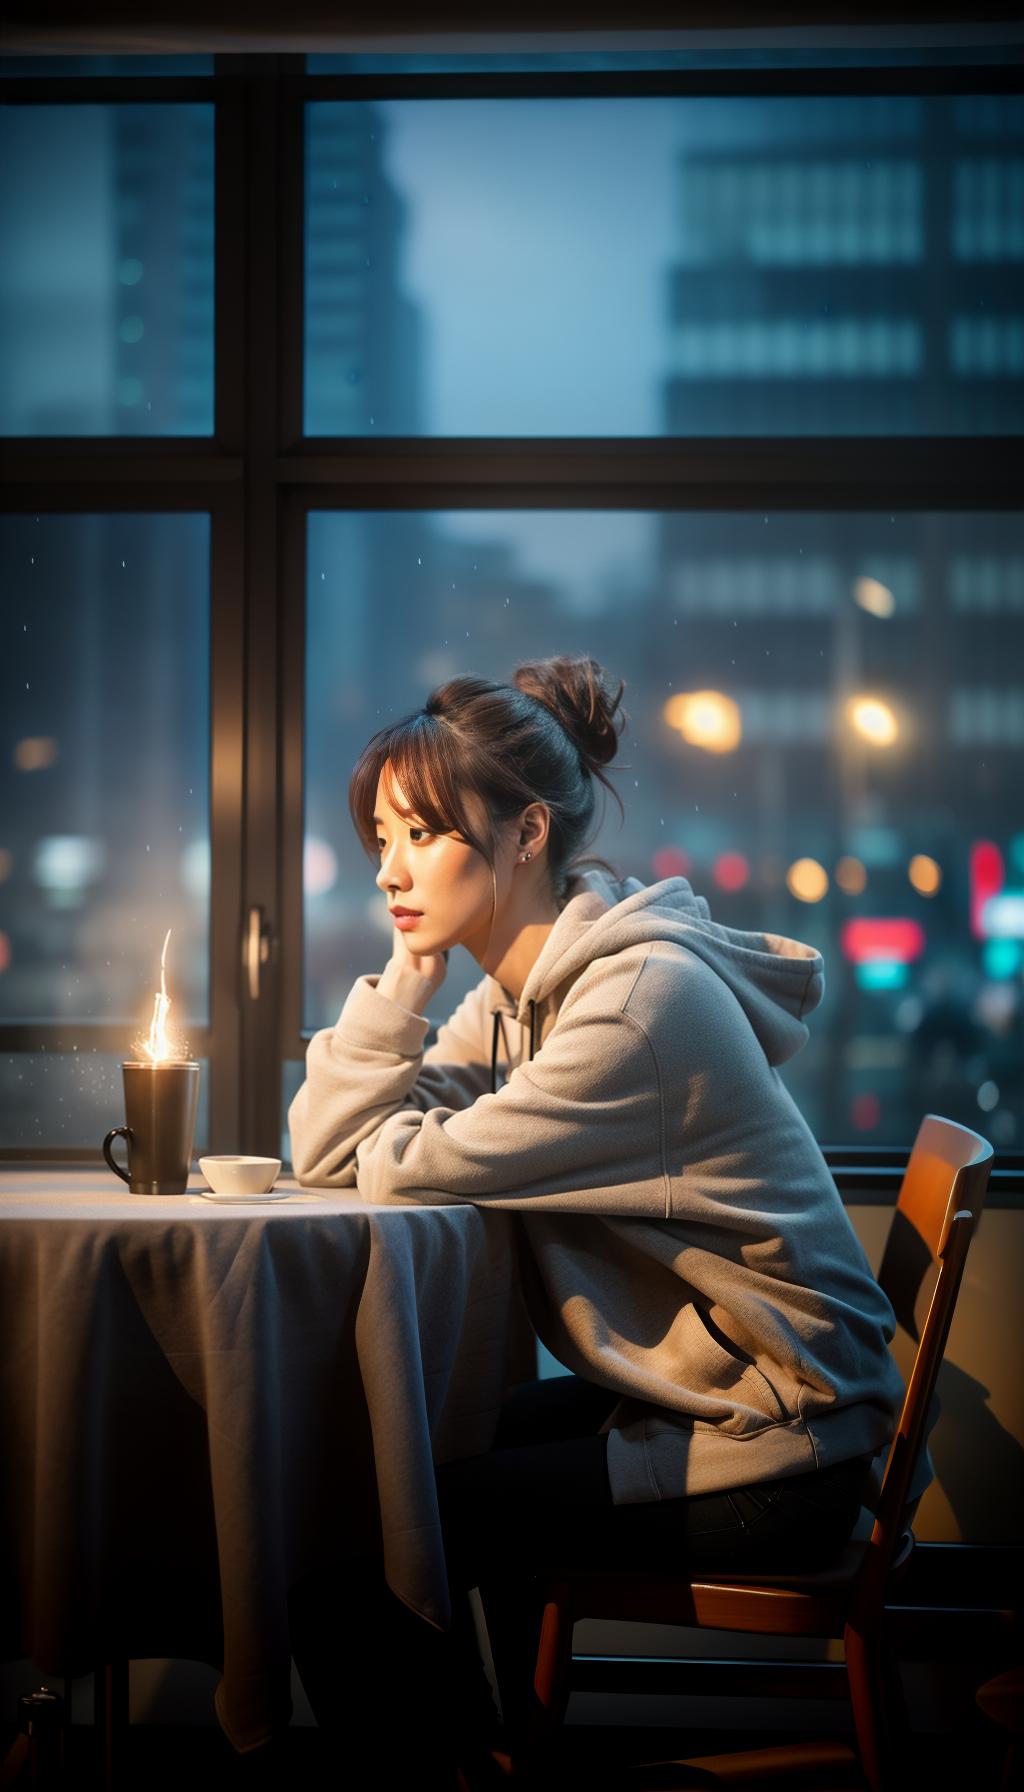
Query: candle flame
<point x="161" y="1046"/>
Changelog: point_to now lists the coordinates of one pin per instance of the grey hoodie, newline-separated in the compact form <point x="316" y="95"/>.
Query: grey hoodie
<point x="683" y="1241"/>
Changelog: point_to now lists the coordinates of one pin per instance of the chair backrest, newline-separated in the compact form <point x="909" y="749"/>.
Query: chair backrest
<point x="939" y="1204"/>
<point x="909" y="1266"/>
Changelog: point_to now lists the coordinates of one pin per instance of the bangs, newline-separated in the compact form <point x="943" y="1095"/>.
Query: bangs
<point x="420" y="753"/>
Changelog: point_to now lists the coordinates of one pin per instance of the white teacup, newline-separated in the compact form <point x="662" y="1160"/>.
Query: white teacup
<point x="240" y="1175"/>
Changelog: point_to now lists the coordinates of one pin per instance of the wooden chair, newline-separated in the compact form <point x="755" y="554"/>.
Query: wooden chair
<point x="940" y="1199"/>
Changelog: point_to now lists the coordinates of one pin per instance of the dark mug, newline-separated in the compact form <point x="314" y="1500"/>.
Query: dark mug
<point x="160" y="1103"/>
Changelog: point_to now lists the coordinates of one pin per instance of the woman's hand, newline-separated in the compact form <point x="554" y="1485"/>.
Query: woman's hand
<point x="409" y="978"/>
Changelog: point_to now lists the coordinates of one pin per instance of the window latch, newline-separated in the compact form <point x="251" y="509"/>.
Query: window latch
<point x="256" y="941"/>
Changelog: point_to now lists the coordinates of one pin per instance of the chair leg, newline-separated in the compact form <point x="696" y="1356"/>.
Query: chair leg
<point x="897" y="1717"/>
<point x="110" y="1719"/>
<point x="879" y="1709"/>
<point x="554" y="1656"/>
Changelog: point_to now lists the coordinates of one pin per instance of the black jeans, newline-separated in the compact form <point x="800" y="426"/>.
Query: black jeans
<point x="537" y="1504"/>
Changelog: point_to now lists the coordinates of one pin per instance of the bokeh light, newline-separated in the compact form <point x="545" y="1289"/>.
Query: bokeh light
<point x="851" y="876"/>
<point x="319" y="866"/>
<point x="706" y="719"/>
<point x="895" y="939"/>
<point x="65" y="865"/>
<point x="873" y="720"/>
<point x="1002" y="917"/>
<point x="909" y="1014"/>
<point x="1001" y="958"/>
<point x="865" y="1112"/>
<point x="195" y="869"/>
<point x="987" y="875"/>
<point x="35" y="753"/>
<point x="882" y="973"/>
<point x="874" y="597"/>
<point x="925" y="874"/>
<point x="671" y="861"/>
<point x="731" y="871"/>
<point x="807" y="880"/>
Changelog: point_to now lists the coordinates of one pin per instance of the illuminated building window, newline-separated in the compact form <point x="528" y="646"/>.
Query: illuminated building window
<point x="987" y="718"/>
<point x="988" y="584"/>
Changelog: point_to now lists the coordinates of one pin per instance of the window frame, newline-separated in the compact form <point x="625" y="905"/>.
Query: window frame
<point x="259" y="477"/>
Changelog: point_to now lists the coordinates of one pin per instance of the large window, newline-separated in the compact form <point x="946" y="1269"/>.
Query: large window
<point x="104" y="790"/>
<point x="644" y="267"/>
<point x="710" y="365"/>
<point x="826" y="727"/>
<point x="106" y="279"/>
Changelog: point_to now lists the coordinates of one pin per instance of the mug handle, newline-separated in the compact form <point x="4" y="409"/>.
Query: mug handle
<point x="117" y="1132"/>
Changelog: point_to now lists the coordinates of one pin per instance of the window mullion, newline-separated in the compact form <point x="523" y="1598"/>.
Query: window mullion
<point x="260" y="203"/>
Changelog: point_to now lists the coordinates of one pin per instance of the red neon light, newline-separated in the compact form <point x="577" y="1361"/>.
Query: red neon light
<point x="868" y="938"/>
<point x="865" y="1112"/>
<point x="731" y="871"/>
<point x="987" y="875"/>
<point x="671" y="861"/>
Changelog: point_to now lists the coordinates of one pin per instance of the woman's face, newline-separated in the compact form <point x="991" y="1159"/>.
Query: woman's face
<point x="442" y="878"/>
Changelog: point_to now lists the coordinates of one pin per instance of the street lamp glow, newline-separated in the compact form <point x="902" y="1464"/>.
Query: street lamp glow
<point x="874" y="721"/>
<point x="807" y="880"/>
<point x="874" y="597"/>
<point x="35" y="753"/>
<point x="706" y="719"/>
<point x="851" y="876"/>
<point x="924" y="874"/>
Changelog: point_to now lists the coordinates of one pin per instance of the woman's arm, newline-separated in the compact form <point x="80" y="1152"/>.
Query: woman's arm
<point x="579" y="1129"/>
<point x="371" y="1064"/>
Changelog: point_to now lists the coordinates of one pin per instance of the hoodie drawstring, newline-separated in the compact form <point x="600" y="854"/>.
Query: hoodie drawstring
<point x="494" y="1041"/>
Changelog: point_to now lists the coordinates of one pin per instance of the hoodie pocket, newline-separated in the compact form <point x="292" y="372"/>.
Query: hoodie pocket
<point x="731" y="1392"/>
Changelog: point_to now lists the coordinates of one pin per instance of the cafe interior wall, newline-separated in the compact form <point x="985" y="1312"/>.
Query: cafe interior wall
<point x="978" y="1451"/>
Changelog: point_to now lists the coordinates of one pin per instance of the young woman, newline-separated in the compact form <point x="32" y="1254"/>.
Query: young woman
<point x="614" y="1080"/>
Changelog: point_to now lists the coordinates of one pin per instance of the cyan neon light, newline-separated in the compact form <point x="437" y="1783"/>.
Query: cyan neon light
<point x="1001" y="958"/>
<point x="882" y="973"/>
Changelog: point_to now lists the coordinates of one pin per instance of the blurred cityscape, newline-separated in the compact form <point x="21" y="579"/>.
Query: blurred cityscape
<point x="809" y="283"/>
<point x="834" y="757"/>
<point x="826" y="710"/>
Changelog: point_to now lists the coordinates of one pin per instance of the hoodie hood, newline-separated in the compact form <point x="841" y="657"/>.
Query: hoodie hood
<point x="776" y="980"/>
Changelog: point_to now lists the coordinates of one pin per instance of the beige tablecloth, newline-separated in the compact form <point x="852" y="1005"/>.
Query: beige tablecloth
<point x="200" y="1403"/>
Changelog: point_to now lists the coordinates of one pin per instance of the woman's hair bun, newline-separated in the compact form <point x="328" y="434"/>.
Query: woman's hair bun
<point x="581" y="695"/>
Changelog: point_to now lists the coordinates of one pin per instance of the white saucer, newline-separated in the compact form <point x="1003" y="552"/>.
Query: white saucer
<point x="274" y="1194"/>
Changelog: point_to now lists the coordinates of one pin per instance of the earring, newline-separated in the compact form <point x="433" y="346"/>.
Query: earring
<point x="524" y="857"/>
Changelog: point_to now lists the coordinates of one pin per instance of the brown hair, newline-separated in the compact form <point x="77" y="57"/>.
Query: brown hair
<point x="543" y="738"/>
